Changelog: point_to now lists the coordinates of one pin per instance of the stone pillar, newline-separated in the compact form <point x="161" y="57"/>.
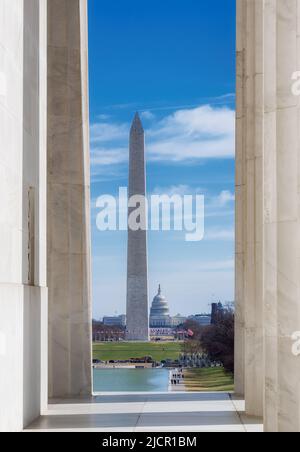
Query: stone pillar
<point x="282" y="215"/>
<point x="23" y="293"/>
<point x="270" y="218"/>
<point x="249" y="206"/>
<point x="272" y="110"/>
<point x="240" y="216"/>
<point x="69" y="268"/>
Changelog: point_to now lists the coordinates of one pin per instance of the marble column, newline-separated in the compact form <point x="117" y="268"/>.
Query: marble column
<point x="282" y="215"/>
<point x="23" y="292"/>
<point x="270" y="219"/>
<point x="240" y="163"/>
<point x="249" y="206"/>
<point x="69" y="268"/>
<point x="271" y="60"/>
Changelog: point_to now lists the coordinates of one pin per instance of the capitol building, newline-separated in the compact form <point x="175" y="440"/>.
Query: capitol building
<point x="160" y="313"/>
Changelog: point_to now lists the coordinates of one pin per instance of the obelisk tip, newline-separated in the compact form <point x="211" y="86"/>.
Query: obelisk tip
<point x="137" y="125"/>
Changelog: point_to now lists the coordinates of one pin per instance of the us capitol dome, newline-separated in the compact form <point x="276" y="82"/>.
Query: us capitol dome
<point x="160" y="314"/>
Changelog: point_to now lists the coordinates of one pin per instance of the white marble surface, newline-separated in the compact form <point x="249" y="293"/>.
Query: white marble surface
<point x="268" y="211"/>
<point x="11" y="139"/>
<point x="191" y="412"/>
<point x="22" y="169"/>
<point x="281" y="219"/>
<point x="20" y="360"/>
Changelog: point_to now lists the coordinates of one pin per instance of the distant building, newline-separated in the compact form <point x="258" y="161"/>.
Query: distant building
<point x="105" y="334"/>
<point x="208" y="319"/>
<point x="216" y="308"/>
<point x="160" y="314"/>
<point x="178" y="320"/>
<point x="156" y="333"/>
<point x="161" y="323"/>
<point x="201" y="319"/>
<point x="115" y="321"/>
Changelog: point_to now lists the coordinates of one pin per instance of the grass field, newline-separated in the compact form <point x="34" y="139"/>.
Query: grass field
<point x="159" y="351"/>
<point x="214" y="379"/>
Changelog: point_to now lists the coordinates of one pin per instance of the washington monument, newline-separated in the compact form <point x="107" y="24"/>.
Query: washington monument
<point x="137" y="265"/>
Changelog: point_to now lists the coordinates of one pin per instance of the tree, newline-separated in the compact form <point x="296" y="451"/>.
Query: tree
<point x="193" y="344"/>
<point x="190" y="347"/>
<point x="218" y="340"/>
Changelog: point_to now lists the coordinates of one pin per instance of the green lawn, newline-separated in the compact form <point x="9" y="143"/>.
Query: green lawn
<point x="106" y="351"/>
<point x="214" y="379"/>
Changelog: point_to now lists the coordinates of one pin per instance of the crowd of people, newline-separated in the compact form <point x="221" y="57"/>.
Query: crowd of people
<point x="176" y="377"/>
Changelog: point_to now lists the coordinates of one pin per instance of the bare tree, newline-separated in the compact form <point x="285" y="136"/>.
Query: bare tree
<point x="218" y="340"/>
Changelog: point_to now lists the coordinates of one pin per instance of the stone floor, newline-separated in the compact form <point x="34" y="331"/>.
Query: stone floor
<point x="175" y="412"/>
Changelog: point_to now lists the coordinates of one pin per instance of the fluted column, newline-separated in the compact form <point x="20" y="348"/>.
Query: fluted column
<point x="282" y="215"/>
<point x="269" y="141"/>
<point x="270" y="218"/>
<point x="249" y="208"/>
<point x="69" y="270"/>
<point x="240" y="216"/>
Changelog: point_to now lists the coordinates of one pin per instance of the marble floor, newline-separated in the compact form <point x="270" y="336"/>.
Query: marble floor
<point x="169" y="412"/>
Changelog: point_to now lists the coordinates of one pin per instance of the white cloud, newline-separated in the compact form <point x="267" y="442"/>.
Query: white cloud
<point x="187" y="135"/>
<point x="106" y="157"/>
<point x="180" y="149"/>
<point x="222" y="200"/>
<point x="219" y="234"/>
<point x="104" y="132"/>
<point x="203" y="132"/>
<point x="203" y="120"/>
<point x="174" y="190"/>
<point x="104" y="117"/>
<point x="147" y="115"/>
<point x="220" y="205"/>
<point x="226" y="197"/>
<point x="219" y="213"/>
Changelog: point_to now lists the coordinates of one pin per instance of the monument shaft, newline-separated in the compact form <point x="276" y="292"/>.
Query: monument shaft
<point x="137" y="266"/>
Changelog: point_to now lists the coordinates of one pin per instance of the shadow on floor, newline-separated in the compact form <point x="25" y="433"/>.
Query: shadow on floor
<point x="124" y="420"/>
<point x="179" y="412"/>
<point x="136" y="398"/>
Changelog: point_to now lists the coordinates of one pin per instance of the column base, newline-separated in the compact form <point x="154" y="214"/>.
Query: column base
<point x="22" y="355"/>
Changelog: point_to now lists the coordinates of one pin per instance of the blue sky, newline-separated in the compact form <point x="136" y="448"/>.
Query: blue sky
<point x="174" y="62"/>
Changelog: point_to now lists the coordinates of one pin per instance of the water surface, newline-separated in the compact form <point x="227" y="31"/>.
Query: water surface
<point x="131" y="380"/>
